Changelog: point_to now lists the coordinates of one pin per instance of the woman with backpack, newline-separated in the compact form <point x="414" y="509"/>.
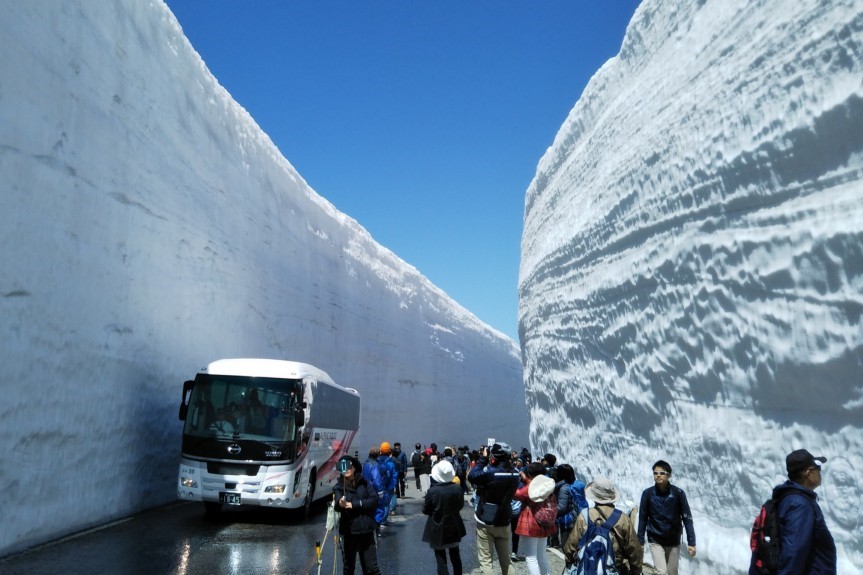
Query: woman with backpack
<point x="538" y="517"/>
<point x="570" y="500"/>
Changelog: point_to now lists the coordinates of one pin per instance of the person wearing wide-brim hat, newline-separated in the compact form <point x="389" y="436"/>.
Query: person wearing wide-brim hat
<point x="444" y="527"/>
<point x="628" y="552"/>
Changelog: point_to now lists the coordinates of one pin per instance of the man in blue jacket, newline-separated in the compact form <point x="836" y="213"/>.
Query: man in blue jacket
<point x="662" y="515"/>
<point x="495" y="481"/>
<point x="807" y="546"/>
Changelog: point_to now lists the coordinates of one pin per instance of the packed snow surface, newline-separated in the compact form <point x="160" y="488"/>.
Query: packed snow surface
<point x="147" y="227"/>
<point x="691" y="284"/>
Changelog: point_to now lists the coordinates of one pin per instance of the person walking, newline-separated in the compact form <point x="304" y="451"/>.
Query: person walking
<point x="356" y="502"/>
<point x="628" y="552"/>
<point x="495" y="483"/>
<point x="390" y="479"/>
<point x="401" y="462"/>
<point x="807" y="547"/>
<point x="372" y="474"/>
<point x="444" y="528"/>
<point x="415" y="463"/>
<point x="662" y="512"/>
<point x="425" y="470"/>
<point x="536" y="492"/>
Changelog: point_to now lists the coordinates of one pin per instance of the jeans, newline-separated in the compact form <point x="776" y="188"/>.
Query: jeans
<point x="491" y="539"/>
<point x="454" y="557"/>
<point x="535" y="555"/>
<point x="665" y="559"/>
<point x="364" y="544"/>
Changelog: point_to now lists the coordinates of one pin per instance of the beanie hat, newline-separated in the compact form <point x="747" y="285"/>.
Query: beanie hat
<point x="443" y="472"/>
<point x="385" y="448"/>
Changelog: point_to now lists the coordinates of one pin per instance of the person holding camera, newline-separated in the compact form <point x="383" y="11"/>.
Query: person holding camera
<point x="356" y="501"/>
<point x="495" y="481"/>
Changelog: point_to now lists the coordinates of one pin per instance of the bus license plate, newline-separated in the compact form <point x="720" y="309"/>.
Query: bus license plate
<point x="229" y="498"/>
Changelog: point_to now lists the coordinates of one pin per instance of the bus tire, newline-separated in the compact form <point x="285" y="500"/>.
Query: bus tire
<point x="310" y="497"/>
<point x="212" y="509"/>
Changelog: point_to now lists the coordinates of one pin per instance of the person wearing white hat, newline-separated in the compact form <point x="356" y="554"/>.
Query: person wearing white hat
<point x="536" y="493"/>
<point x="444" y="527"/>
<point x="628" y="552"/>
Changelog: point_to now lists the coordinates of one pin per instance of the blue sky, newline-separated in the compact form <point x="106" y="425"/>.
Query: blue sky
<point x="424" y="121"/>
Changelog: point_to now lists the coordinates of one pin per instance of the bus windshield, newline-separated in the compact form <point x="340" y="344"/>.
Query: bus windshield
<point x="243" y="410"/>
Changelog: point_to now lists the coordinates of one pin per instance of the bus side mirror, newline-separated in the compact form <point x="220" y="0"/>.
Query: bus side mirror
<point x="299" y="418"/>
<point x="184" y="401"/>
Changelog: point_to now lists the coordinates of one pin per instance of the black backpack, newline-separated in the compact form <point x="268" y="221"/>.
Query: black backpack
<point x="765" y="540"/>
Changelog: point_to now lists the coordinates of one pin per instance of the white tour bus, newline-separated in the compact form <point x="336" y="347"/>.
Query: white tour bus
<point x="263" y="432"/>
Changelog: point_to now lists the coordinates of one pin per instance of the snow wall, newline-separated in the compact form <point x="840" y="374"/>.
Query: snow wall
<point x="147" y="227"/>
<point x="691" y="284"/>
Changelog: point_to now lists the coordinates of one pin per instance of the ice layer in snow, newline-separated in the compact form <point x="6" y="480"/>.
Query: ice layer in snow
<point x="691" y="284"/>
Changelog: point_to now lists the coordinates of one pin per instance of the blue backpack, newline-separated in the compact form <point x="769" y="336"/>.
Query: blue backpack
<point x="595" y="550"/>
<point x="577" y="503"/>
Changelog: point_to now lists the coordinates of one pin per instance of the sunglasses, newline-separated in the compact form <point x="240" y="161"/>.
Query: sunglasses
<point x="662" y="473"/>
<point x="343" y="466"/>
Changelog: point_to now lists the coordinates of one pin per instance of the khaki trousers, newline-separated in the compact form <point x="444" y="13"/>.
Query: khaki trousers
<point x="491" y="539"/>
<point x="665" y="559"/>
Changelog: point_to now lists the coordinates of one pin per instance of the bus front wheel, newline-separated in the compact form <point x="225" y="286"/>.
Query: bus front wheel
<point x="212" y="509"/>
<point x="310" y="496"/>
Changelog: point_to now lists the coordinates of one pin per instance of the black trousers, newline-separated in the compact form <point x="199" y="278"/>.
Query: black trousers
<point x="417" y="477"/>
<point x="454" y="557"/>
<point x="364" y="544"/>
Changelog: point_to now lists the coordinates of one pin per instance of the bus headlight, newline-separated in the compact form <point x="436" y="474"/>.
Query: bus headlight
<point x="275" y="489"/>
<point x="188" y="482"/>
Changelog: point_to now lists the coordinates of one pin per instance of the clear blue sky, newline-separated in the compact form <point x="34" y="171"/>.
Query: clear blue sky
<point x="424" y="121"/>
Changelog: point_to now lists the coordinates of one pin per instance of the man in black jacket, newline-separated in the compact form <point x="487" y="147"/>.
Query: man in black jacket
<point x="495" y="482"/>
<point x="415" y="463"/>
<point x="401" y="461"/>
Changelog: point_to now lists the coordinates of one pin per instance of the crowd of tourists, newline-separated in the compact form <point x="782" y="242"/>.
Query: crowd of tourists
<point x="522" y="506"/>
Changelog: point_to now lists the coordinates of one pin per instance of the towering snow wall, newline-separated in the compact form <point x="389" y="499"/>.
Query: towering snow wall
<point x="691" y="285"/>
<point x="147" y="227"/>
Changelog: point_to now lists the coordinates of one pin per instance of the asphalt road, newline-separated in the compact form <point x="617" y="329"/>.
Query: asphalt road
<point x="178" y="540"/>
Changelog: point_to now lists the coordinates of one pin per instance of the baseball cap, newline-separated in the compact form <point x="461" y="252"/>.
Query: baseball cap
<point x="801" y="459"/>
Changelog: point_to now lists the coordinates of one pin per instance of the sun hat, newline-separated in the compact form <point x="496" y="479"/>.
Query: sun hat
<point x="540" y="488"/>
<point x="443" y="472"/>
<point x="601" y="490"/>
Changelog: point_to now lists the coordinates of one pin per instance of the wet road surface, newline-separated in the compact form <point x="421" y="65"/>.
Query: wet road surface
<point x="178" y="540"/>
